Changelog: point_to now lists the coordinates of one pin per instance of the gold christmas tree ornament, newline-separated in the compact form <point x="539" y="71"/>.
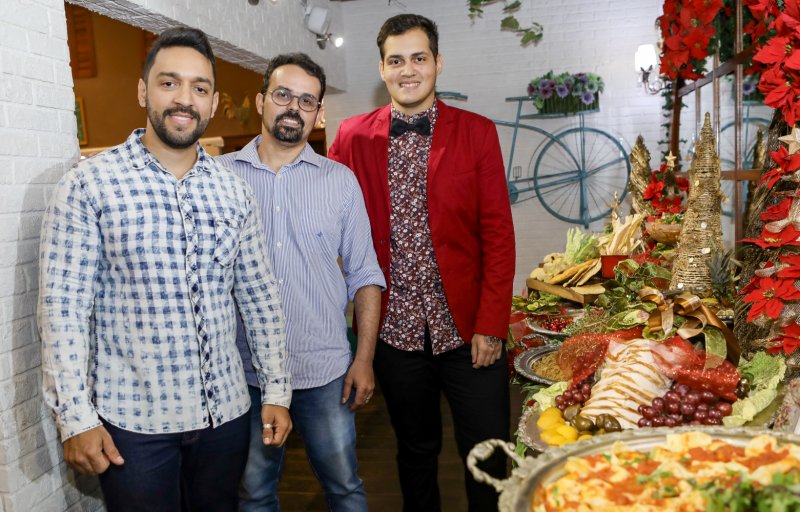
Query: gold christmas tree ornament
<point x="640" y="178"/>
<point x="701" y="235"/>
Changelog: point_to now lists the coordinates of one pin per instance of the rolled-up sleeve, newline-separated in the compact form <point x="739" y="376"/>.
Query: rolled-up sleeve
<point x="359" y="262"/>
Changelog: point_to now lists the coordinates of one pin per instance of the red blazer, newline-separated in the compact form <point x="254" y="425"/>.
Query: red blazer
<point x="468" y="207"/>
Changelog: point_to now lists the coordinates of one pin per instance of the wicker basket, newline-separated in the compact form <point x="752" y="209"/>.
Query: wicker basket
<point x="664" y="233"/>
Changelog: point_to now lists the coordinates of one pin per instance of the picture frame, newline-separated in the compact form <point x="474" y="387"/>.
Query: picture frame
<point x="80" y="119"/>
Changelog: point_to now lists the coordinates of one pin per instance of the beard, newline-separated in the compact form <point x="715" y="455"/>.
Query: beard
<point x="288" y="134"/>
<point x="178" y="138"/>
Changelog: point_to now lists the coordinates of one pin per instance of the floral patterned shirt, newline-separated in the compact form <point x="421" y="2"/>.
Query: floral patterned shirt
<point x="416" y="295"/>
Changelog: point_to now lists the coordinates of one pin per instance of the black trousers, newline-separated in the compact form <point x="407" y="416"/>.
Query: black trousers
<point x="412" y="383"/>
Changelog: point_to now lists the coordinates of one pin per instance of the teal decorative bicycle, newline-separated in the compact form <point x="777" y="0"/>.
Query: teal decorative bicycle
<point x="574" y="172"/>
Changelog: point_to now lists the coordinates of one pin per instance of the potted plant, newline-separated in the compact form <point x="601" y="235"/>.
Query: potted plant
<point x="566" y="93"/>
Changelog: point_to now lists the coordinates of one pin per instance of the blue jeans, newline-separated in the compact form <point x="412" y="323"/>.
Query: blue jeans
<point x="329" y="433"/>
<point x="197" y="470"/>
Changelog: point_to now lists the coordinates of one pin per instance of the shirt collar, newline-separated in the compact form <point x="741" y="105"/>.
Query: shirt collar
<point x="431" y="112"/>
<point x="139" y="157"/>
<point x="249" y="154"/>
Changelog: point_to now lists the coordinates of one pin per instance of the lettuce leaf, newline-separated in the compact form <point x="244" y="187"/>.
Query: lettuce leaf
<point x="580" y="246"/>
<point x="547" y="396"/>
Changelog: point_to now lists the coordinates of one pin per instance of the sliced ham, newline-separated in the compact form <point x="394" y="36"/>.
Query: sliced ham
<point x="629" y="378"/>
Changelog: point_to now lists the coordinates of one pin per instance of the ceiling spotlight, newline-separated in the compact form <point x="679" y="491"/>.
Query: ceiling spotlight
<point x="322" y="40"/>
<point x="318" y="19"/>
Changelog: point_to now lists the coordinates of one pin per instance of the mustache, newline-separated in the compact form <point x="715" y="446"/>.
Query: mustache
<point x="294" y="116"/>
<point x="181" y="110"/>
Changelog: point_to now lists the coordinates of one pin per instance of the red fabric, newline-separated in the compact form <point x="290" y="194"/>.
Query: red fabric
<point x="682" y="362"/>
<point x="470" y="214"/>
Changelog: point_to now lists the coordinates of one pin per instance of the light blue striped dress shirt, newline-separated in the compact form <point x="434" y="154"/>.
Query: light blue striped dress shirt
<point x="140" y="276"/>
<point x="313" y="212"/>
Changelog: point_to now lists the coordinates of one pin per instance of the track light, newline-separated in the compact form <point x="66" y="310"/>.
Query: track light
<point x="322" y="40"/>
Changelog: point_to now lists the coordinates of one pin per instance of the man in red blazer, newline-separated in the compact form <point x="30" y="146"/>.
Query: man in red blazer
<point x="435" y="190"/>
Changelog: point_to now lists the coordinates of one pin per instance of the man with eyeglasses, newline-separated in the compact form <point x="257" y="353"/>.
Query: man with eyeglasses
<point x="314" y="213"/>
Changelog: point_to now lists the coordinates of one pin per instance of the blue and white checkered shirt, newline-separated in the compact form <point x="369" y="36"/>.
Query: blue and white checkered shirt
<point x="314" y="213"/>
<point x="140" y="277"/>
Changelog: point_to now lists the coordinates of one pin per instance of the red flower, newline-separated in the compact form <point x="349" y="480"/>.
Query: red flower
<point x="768" y="297"/>
<point x="789" y="340"/>
<point x="653" y="190"/>
<point x="775" y="51"/>
<point x="777" y="211"/>
<point x="785" y="164"/>
<point x="792" y="271"/>
<point x="789" y="236"/>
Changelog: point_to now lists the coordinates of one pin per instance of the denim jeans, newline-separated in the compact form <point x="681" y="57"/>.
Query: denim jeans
<point x="329" y="434"/>
<point x="197" y="470"/>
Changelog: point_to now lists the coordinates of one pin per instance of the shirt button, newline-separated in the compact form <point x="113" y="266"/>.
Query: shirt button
<point x="279" y="244"/>
<point x="280" y="281"/>
<point x="277" y="208"/>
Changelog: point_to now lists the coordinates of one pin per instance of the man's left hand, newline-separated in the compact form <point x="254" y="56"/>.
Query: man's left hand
<point x="484" y="353"/>
<point x="360" y="377"/>
<point x="276" y="424"/>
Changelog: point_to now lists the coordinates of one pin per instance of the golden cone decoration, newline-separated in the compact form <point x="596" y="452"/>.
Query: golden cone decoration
<point x="640" y="178"/>
<point x="701" y="235"/>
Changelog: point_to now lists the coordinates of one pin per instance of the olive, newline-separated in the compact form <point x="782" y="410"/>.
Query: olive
<point x="612" y="425"/>
<point x="600" y="432"/>
<point x="571" y="411"/>
<point x="582" y="423"/>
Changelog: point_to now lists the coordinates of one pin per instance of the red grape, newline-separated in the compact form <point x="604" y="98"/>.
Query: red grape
<point x="715" y="414"/>
<point x="687" y="409"/>
<point x="658" y="404"/>
<point x="708" y="397"/>
<point x="692" y="398"/>
<point x="650" y="413"/>
<point x="672" y="397"/>
<point x="682" y="389"/>
<point x="658" y="421"/>
<point x="669" y="421"/>
<point x="673" y="407"/>
<point x="644" y="422"/>
<point x="641" y="409"/>
<point x="701" y="415"/>
<point x="586" y="389"/>
<point x="714" y="421"/>
<point x="702" y="407"/>
<point x="725" y="408"/>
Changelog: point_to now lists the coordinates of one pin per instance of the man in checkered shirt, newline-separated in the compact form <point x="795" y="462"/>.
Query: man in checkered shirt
<point x="146" y="252"/>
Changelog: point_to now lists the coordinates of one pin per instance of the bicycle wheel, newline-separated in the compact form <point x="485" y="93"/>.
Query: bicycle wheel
<point x="577" y="173"/>
<point x="750" y="127"/>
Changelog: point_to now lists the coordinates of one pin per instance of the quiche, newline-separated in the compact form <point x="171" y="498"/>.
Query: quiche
<point x="679" y="475"/>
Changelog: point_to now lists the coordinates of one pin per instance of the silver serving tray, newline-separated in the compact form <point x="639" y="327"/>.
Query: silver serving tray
<point x="549" y="466"/>
<point x="524" y="361"/>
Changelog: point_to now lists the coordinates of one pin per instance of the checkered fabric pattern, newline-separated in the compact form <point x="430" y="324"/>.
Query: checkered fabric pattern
<point x="140" y="278"/>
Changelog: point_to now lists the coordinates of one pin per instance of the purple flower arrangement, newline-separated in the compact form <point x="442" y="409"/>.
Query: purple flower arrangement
<point x="565" y="93"/>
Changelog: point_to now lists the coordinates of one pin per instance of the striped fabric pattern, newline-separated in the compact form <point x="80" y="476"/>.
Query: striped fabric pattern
<point x="140" y="276"/>
<point x="314" y="213"/>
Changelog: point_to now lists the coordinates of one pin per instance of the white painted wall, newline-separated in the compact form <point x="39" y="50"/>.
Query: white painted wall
<point x="489" y="65"/>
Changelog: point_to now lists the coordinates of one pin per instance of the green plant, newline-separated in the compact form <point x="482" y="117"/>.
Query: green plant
<point x="527" y="35"/>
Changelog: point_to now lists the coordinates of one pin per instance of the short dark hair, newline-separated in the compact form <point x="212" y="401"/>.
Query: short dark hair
<point x="180" y="37"/>
<point x="402" y="23"/>
<point x="298" y="59"/>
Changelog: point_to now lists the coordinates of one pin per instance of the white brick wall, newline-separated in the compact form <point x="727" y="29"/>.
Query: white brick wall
<point x="37" y="144"/>
<point x="489" y="65"/>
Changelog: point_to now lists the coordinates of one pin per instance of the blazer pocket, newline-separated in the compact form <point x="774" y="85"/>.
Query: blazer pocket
<point x="227" y="233"/>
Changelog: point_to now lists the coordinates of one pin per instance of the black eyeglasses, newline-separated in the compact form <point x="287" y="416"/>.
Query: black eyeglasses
<point x="283" y="97"/>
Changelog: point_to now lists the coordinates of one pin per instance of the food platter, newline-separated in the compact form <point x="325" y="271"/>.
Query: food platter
<point x="528" y="432"/>
<point x="538" y="325"/>
<point x="550" y="466"/>
<point x="524" y="361"/>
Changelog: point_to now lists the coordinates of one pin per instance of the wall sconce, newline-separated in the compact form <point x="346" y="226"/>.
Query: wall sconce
<point x="645" y="61"/>
<point x="318" y="20"/>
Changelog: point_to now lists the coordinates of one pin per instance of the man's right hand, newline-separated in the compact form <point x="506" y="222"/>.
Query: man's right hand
<point x="91" y="452"/>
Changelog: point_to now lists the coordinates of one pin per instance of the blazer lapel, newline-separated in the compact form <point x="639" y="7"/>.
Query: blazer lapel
<point x="441" y="134"/>
<point x="380" y="149"/>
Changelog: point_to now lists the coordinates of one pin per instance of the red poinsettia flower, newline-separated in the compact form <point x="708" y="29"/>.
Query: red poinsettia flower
<point x="777" y="90"/>
<point x="785" y="164"/>
<point x="768" y="297"/>
<point x="789" y="236"/>
<point x="776" y="51"/>
<point x="788" y="22"/>
<point x="653" y="190"/>
<point x="750" y="286"/>
<point x="792" y="270"/>
<point x="777" y="211"/>
<point x="789" y="340"/>
<point x="706" y="9"/>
